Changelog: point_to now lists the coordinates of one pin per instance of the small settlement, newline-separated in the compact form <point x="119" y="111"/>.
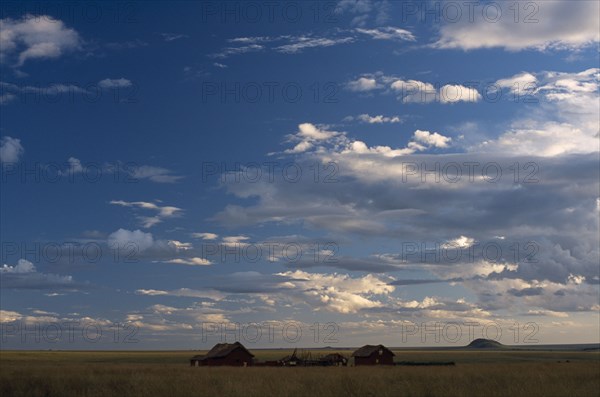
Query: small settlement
<point x="235" y="354"/>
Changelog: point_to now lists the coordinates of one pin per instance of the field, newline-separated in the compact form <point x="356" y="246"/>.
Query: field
<point x="476" y="373"/>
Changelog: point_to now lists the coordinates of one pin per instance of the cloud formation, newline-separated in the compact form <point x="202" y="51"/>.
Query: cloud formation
<point x="538" y="26"/>
<point x="35" y="38"/>
<point x="10" y="149"/>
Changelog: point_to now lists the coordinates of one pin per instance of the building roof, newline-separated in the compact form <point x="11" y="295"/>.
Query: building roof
<point x="368" y="350"/>
<point x="221" y="350"/>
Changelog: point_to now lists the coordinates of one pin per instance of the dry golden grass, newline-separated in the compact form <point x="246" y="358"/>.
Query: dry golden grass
<point x="91" y="374"/>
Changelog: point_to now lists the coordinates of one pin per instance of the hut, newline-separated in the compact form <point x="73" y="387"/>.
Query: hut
<point x="232" y="354"/>
<point x="373" y="355"/>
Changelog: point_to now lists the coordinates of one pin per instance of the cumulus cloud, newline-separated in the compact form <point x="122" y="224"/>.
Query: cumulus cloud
<point x="22" y="266"/>
<point x="10" y="149"/>
<point x="338" y="293"/>
<point x="123" y="238"/>
<point x="311" y="137"/>
<point x="333" y="292"/>
<point x="363" y="84"/>
<point x="540" y="26"/>
<point x="452" y="93"/>
<point x="378" y="198"/>
<point x="135" y="245"/>
<point x="432" y="139"/>
<point x="24" y="275"/>
<point x="36" y="37"/>
<point x="518" y="83"/>
<point x="414" y="91"/>
<point x="565" y="121"/>
<point x="308" y="136"/>
<point x="421" y="141"/>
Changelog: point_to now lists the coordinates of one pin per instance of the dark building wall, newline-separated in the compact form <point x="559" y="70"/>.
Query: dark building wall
<point x="375" y="359"/>
<point x="235" y="358"/>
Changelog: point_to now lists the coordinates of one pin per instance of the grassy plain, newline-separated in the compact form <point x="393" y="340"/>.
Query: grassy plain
<point x="152" y="373"/>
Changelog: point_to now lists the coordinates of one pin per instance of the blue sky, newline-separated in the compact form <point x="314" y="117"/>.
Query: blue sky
<point x="373" y="167"/>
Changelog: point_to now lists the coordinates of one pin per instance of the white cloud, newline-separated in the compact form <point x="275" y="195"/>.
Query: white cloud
<point x="379" y="119"/>
<point x="565" y="122"/>
<point x="363" y="84"/>
<point x="432" y="139"/>
<point x="471" y="269"/>
<point x="163" y="212"/>
<point x="115" y="83"/>
<point x="154" y="174"/>
<point x="300" y="147"/>
<point x="8" y="316"/>
<point x="459" y="242"/>
<point x="422" y="140"/>
<point x="10" y="90"/>
<point x="10" y="149"/>
<point x="310" y="131"/>
<point x="205" y="236"/>
<point x="576" y="279"/>
<point x="307" y="136"/>
<point x="540" y="26"/>
<point x="451" y="93"/>
<point x="36" y="37"/>
<point x="22" y="266"/>
<point x="179" y="246"/>
<point x="75" y="166"/>
<point x="365" y="11"/>
<point x="183" y="292"/>
<point x="518" y="82"/>
<point x="195" y="261"/>
<point x="25" y="275"/>
<point x="123" y="239"/>
<point x="302" y="42"/>
<point x="388" y="33"/>
<point x="415" y="91"/>
<point x="229" y="51"/>
<point x="336" y="292"/>
<point x="173" y="36"/>
<point x="235" y="241"/>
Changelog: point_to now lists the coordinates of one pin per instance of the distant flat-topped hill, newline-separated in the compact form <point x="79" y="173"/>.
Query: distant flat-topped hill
<point x="485" y="344"/>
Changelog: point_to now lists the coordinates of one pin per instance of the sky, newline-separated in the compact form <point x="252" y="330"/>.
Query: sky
<point x="299" y="174"/>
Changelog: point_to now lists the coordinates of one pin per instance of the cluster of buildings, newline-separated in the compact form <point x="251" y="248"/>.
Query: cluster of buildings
<point x="235" y="354"/>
